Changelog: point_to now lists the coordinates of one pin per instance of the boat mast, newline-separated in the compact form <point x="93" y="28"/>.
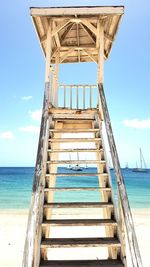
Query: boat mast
<point x="141" y="157"/>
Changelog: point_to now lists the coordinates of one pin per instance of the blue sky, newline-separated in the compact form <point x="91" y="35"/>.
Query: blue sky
<point x="127" y="81"/>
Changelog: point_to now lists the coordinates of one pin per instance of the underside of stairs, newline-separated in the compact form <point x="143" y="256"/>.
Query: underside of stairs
<point x="79" y="225"/>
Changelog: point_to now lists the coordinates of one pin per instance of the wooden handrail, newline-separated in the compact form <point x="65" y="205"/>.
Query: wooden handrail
<point x="122" y="194"/>
<point x="31" y="248"/>
<point x="78" y="99"/>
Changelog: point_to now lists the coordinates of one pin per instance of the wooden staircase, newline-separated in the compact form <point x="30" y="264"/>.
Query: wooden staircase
<point x="68" y="215"/>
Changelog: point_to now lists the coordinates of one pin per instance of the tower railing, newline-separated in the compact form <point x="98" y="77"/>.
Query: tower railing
<point x="77" y="96"/>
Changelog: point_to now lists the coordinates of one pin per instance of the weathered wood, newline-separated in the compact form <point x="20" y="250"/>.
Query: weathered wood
<point x="76" y="162"/>
<point x="77" y="31"/>
<point x="80" y="222"/>
<point x="60" y="26"/>
<point x="77" y="174"/>
<point x="77" y="10"/>
<point x="123" y="198"/>
<point x="74" y="140"/>
<point x="82" y="263"/>
<point x="80" y="242"/>
<point x="78" y="205"/>
<point x="100" y="74"/>
<point x="76" y="189"/>
<point x="48" y="51"/>
<point x="68" y="130"/>
<point x="75" y="150"/>
<point x="31" y="255"/>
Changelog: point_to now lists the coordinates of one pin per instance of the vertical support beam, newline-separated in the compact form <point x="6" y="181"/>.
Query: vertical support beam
<point x="77" y="92"/>
<point x="70" y="97"/>
<point x="64" y="96"/>
<point x="100" y="71"/>
<point x="48" y="52"/>
<point x="57" y="79"/>
<point x="83" y="97"/>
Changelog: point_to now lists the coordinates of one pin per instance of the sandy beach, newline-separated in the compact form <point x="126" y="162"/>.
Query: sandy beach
<point x="13" y="228"/>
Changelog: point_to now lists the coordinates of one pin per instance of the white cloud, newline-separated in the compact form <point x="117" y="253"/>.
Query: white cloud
<point x="7" y="135"/>
<point x="30" y="129"/>
<point x="36" y="115"/>
<point x="138" y="124"/>
<point x="29" y="97"/>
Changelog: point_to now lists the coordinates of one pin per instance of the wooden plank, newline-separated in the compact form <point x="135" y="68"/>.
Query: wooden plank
<point x="71" y="97"/>
<point x="74" y="140"/>
<point x="82" y="263"/>
<point x="99" y="10"/>
<point x="48" y="52"/>
<point x="76" y="162"/>
<point x="80" y="242"/>
<point x="80" y="222"/>
<point x="88" y="33"/>
<point x="60" y="27"/>
<point x="75" y="174"/>
<point x="78" y="205"/>
<point x="69" y="130"/>
<point x="74" y="150"/>
<point x="76" y="189"/>
<point x="68" y="28"/>
<point x="89" y="26"/>
<point x="100" y="75"/>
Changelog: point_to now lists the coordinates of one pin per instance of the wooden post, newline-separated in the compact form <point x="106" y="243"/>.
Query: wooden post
<point x="100" y="70"/>
<point x="48" y="60"/>
<point x="48" y="52"/>
<point x="100" y="73"/>
<point x="57" y="80"/>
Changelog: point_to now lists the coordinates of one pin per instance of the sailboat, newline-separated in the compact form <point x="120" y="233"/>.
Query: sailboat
<point x="142" y="162"/>
<point x="126" y="166"/>
<point x="77" y="167"/>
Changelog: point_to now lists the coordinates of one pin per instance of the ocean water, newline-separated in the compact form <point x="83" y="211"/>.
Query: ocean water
<point x="16" y="187"/>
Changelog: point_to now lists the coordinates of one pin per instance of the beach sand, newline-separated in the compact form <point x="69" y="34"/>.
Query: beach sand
<point x="13" y="229"/>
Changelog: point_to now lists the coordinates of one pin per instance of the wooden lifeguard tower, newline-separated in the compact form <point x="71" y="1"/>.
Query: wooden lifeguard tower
<point x="72" y="123"/>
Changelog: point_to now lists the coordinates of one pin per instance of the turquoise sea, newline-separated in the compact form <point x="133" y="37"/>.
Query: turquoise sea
<point x="16" y="187"/>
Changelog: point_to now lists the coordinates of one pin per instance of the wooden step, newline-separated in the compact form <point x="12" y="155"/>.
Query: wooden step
<point x="76" y="189"/>
<point x="80" y="242"/>
<point x="76" y="174"/>
<point x="74" y="140"/>
<point x="78" y="130"/>
<point x="80" y="222"/>
<point x="79" y="205"/>
<point x="78" y="117"/>
<point x="74" y="150"/>
<point x="81" y="263"/>
<point x="76" y="162"/>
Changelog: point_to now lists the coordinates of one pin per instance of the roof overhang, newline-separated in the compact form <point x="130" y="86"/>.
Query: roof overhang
<point x="75" y="30"/>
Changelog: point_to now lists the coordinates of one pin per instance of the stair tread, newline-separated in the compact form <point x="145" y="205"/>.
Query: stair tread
<point x="78" y="204"/>
<point x="77" y="174"/>
<point x="75" y="161"/>
<point x="75" y="150"/>
<point x="74" y="130"/>
<point x="77" y="188"/>
<point x="82" y="263"/>
<point x="80" y="222"/>
<point x="74" y="139"/>
<point x="91" y="241"/>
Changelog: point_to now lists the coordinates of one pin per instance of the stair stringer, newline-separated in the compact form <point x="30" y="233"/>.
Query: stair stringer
<point x="120" y="231"/>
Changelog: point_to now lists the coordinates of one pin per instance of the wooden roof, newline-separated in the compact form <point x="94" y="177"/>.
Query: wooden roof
<point x="75" y="30"/>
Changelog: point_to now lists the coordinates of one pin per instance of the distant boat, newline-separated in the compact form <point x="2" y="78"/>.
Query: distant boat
<point x="76" y="167"/>
<point x="142" y="163"/>
<point x="127" y="167"/>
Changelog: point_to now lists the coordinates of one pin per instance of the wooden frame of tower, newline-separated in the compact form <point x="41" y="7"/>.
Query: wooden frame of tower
<point x="70" y="35"/>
